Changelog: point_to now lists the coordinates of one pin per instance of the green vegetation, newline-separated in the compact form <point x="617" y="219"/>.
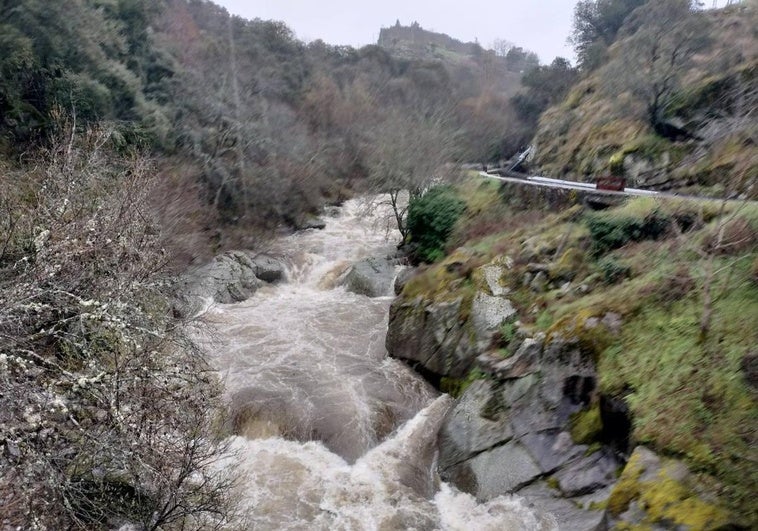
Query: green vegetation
<point x="431" y="218"/>
<point x="613" y="229"/>
<point x="586" y="425"/>
<point x="455" y="387"/>
<point x="665" y="499"/>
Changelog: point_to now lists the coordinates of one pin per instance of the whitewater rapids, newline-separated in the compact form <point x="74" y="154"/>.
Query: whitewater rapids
<point x="330" y="432"/>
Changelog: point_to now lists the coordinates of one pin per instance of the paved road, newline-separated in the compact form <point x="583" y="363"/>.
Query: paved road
<point x="546" y="182"/>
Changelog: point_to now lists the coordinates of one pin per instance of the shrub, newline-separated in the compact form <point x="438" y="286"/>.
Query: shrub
<point x="610" y="230"/>
<point x="111" y="409"/>
<point x="430" y="221"/>
<point x="613" y="271"/>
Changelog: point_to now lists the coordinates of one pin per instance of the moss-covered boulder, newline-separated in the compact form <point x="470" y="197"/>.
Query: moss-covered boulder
<point x="655" y="492"/>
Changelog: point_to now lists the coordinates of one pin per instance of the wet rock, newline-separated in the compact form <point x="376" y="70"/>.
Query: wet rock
<point x="431" y="336"/>
<point x="312" y="222"/>
<point x="402" y="279"/>
<point x="466" y="432"/>
<point x="522" y="363"/>
<point x="229" y="277"/>
<point x="371" y="277"/>
<point x="502" y="469"/>
<point x="267" y="268"/>
<point x="587" y="474"/>
<point x="566" y="512"/>
<point x="529" y="406"/>
<point x="552" y="449"/>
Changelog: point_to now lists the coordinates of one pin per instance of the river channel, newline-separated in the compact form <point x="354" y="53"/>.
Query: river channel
<point x="330" y="432"/>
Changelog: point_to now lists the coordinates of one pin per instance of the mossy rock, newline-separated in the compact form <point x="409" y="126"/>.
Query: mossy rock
<point x="668" y="495"/>
<point x="455" y="387"/>
<point x="585" y="329"/>
<point x="568" y="266"/>
<point x="586" y="425"/>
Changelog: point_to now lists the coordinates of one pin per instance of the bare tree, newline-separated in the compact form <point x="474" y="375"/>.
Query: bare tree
<point x="502" y="47"/>
<point x="109" y="412"/>
<point x="662" y="37"/>
<point x="408" y="153"/>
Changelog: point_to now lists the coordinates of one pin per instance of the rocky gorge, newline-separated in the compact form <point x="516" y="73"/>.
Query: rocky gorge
<point x="531" y="416"/>
<point x="521" y="336"/>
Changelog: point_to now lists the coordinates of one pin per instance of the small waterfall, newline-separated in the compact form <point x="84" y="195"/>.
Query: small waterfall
<point x="332" y="434"/>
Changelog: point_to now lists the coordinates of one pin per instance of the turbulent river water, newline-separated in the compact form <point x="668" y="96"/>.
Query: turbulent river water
<point x="331" y="433"/>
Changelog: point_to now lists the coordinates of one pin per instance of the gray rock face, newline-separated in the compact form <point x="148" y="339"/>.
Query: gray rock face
<point x="312" y="222"/>
<point x="569" y="516"/>
<point x="510" y="433"/>
<point x="524" y="362"/>
<point x="512" y="430"/>
<point x="503" y="469"/>
<point x="371" y="277"/>
<point x="268" y="269"/>
<point x="458" y="441"/>
<point x="492" y="275"/>
<point x="402" y="279"/>
<point x="587" y="474"/>
<point x="488" y="313"/>
<point x="229" y="277"/>
<point x="434" y="335"/>
<point x="431" y="335"/>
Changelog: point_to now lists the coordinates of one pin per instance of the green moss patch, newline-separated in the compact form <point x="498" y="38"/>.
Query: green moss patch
<point x="586" y="425"/>
<point x="665" y="498"/>
<point x="583" y="328"/>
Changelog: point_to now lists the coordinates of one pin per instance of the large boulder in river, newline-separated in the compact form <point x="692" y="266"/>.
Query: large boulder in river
<point x="229" y="277"/>
<point x="371" y="277"/>
<point x="267" y="268"/>
<point x="431" y="336"/>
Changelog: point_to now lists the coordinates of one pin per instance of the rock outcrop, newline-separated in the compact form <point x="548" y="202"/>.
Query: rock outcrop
<point x="436" y="338"/>
<point x="371" y="277"/>
<point x="230" y="277"/>
<point x="655" y="492"/>
<point x="442" y="336"/>
<point x="512" y="432"/>
<point x="531" y="421"/>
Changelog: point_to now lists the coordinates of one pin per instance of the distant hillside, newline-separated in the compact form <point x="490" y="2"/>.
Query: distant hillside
<point x="415" y="41"/>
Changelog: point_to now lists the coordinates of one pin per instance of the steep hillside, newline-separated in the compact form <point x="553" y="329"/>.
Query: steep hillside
<point x="582" y="343"/>
<point x="673" y="107"/>
<point x="468" y="61"/>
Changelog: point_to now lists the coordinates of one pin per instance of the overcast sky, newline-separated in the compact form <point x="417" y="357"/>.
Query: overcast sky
<point x="538" y="25"/>
<point x="542" y="26"/>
